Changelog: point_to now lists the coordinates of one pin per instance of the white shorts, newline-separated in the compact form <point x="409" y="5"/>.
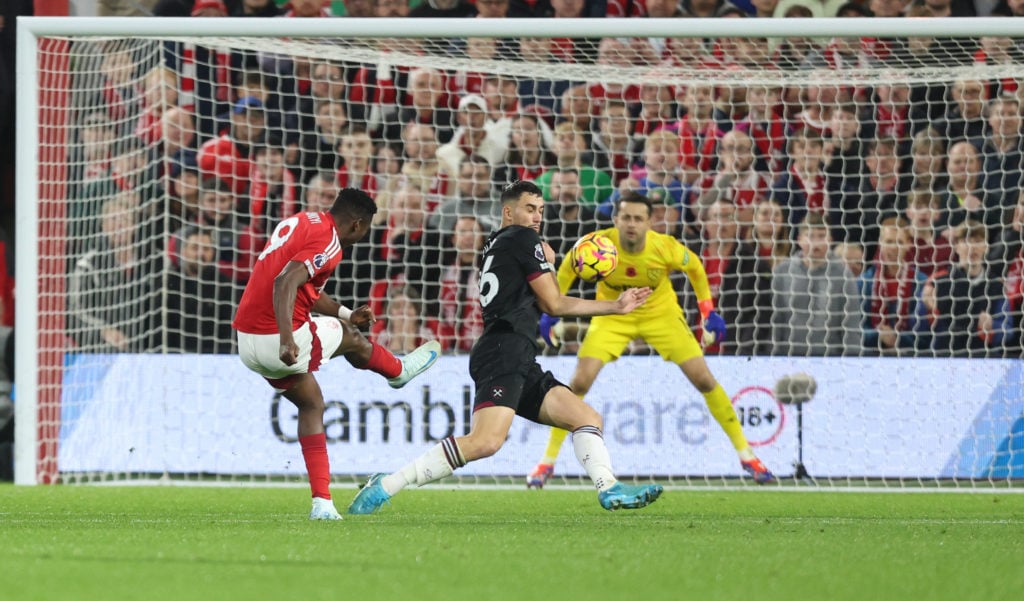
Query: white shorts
<point x="317" y="341"/>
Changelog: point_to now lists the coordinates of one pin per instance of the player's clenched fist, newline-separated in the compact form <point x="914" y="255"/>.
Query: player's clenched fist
<point x="362" y="317"/>
<point x="631" y="298"/>
<point x="289" y="352"/>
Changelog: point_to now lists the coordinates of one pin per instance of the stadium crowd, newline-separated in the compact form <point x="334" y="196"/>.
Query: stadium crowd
<point x="832" y="219"/>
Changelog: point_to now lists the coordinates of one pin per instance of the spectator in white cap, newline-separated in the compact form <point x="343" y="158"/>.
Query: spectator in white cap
<point x="476" y="134"/>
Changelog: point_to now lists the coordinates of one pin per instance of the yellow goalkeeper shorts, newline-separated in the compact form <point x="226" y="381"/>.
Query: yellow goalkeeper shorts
<point x="668" y="334"/>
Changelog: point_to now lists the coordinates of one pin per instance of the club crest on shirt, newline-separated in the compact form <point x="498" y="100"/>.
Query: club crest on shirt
<point x="319" y="261"/>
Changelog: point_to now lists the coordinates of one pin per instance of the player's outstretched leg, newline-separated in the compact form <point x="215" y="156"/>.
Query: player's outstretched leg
<point x="720" y="407"/>
<point x="416" y="362"/>
<point x="546" y="468"/>
<point x="757" y="470"/>
<point x="371" y="497"/>
<point x="629" y="496"/>
<point x="439" y="462"/>
<point x="588" y="442"/>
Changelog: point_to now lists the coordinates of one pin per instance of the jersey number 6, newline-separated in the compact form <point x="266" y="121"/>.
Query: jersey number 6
<point x="488" y="283"/>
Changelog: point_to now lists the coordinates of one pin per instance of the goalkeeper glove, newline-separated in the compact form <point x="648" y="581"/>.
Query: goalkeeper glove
<point x="715" y="325"/>
<point x="551" y="330"/>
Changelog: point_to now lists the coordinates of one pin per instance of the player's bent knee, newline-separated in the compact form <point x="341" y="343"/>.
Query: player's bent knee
<point x="352" y="340"/>
<point x="478" y="447"/>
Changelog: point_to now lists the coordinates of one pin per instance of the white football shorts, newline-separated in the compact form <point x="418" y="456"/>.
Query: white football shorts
<point x="317" y="341"/>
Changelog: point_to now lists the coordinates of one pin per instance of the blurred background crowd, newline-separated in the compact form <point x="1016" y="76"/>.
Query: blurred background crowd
<point x="832" y="218"/>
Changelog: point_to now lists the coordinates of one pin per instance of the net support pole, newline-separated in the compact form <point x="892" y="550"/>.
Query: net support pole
<point x="26" y="341"/>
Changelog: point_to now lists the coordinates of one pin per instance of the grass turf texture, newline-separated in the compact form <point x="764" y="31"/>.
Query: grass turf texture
<point x="174" y="543"/>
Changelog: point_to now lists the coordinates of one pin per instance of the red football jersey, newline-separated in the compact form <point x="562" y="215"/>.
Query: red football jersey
<point x="309" y="238"/>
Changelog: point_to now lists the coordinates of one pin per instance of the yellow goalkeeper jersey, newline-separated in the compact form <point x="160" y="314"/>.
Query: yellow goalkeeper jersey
<point x="662" y="254"/>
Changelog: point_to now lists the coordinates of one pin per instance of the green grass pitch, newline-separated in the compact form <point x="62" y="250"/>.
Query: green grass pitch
<point x="177" y="543"/>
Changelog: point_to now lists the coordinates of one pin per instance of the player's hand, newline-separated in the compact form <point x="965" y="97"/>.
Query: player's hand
<point x="363" y="317"/>
<point x="985" y="325"/>
<point x="289" y="352"/>
<point x="115" y="338"/>
<point x="632" y="298"/>
<point x="551" y="330"/>
<point x="715" y="326"/>
<point x="887" y="336"/>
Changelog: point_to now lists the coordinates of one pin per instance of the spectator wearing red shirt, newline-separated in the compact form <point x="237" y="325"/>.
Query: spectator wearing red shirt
<point x="736" y="181"/>
<point x="229" y="157"/>
<point x="614" y="52"/>
<point x="698" y="134"/>
<point x="999" y="50"/>
<point x="765" y="124"/>
<point x="929" y="251"/>
<point x="891" y="287"/>
<point x="160" y="94"/>
<point x="1006" y="258"/>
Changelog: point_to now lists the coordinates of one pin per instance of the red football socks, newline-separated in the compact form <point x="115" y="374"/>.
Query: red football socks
<point x="318" y="465"/>
<point x="383" y="362"/>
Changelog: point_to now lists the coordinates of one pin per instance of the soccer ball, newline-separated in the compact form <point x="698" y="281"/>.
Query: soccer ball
<point x="593" y="257"/>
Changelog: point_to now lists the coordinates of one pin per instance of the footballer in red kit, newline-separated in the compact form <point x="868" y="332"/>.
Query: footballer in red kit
<point x="280" y="338"/>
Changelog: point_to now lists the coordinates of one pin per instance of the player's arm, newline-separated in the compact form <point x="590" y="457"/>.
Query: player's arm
<point x="286" y="289"/>
<point x="689" y="263"/>
<point x="553" y="302"/>
<point x="361" y="317"/>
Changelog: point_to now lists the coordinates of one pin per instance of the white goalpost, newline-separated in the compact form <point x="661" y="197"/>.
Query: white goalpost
<point x="155" y="157"/>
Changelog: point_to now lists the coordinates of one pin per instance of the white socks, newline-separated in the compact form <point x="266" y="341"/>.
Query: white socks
<point x="440" y="461"/>
<point x="593" y="456"/>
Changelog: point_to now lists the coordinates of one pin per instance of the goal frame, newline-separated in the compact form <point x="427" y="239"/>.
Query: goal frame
<point x="35" y="463"/>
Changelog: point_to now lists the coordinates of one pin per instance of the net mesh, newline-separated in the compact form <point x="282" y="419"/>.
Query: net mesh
<point x="854" y="198"/>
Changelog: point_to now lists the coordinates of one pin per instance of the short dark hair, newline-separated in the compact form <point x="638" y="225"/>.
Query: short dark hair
<point x="354" y="204"/>
<point x="514" y="191"/>
<point x="636" y="197"/>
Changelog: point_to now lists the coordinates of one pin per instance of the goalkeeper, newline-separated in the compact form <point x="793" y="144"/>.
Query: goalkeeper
<point x="646" y="258"/>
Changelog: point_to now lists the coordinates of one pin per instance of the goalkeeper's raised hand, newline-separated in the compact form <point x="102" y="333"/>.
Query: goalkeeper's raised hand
<point x="551" y="330"/>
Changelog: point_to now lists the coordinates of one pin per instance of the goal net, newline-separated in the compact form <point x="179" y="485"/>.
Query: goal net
<point x="850" y="187"/>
